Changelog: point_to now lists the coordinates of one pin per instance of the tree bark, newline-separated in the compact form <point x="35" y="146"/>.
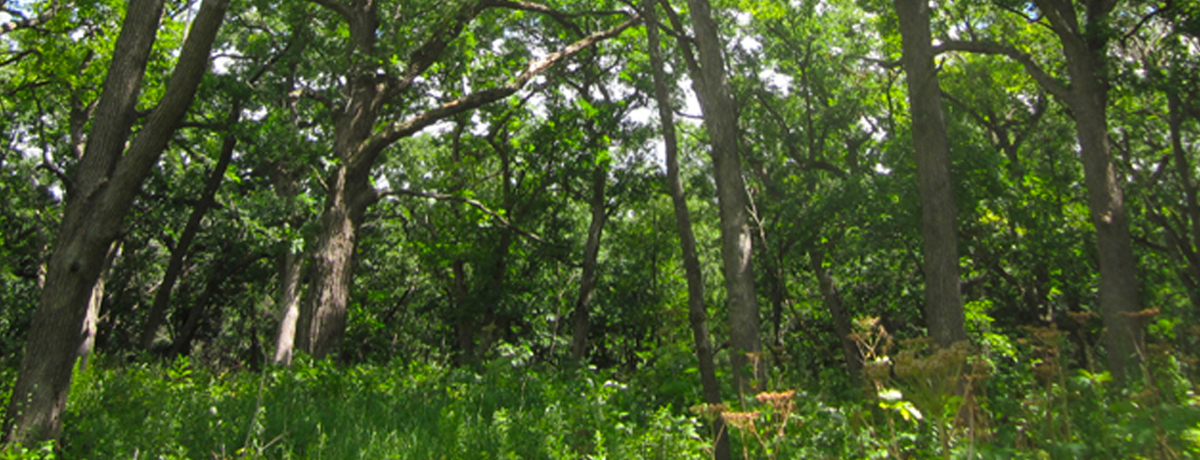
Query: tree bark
<point x="697" y="312"/>
<point x="720" y="121"/>
<point x="1084" y="47"/>
<point x="591" y="250"/>
<point x="322" y="321"/>
<point x="92" y="317"/>
<point x="943" y="299"/>
<point x="291" y="266"/>
<point x="97" y="202"/>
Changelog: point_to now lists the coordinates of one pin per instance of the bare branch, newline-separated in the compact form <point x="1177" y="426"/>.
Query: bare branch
<point x="558" y="16"/>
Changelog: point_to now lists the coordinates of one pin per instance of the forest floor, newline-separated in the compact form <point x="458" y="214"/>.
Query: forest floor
<point x="510" y="408"/>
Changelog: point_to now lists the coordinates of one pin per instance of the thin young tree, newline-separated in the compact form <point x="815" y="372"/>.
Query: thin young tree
<point x="697" y="311"/>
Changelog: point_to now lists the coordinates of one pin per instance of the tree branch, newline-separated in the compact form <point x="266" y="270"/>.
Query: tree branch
<point x="334" y="6"/>
<point x="473" y="203"/>
<point x="1048" y="82"/>
<point x="27" y="23"/>
<point x="399" y="130"/>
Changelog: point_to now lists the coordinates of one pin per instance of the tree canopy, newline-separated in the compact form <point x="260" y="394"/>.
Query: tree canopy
<point x="964" y="225"/>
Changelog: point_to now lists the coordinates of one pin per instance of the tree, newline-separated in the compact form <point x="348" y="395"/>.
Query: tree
<point x="100" y="194"/>
<point x="697" y="311"/>
<point x="358" y="143"/>
<point x="1085" y="39"/>
<point x="711" y="85"/>
<point x="943" y="300"/>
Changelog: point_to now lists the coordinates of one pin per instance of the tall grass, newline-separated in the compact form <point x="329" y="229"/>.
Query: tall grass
<point x="320" y="411"/>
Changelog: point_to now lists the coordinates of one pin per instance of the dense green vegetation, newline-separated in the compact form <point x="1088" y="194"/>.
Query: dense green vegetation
<point x="464" y="229"/>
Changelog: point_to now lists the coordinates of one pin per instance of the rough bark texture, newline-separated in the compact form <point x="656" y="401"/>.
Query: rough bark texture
<point x="720" y="120"/>
<point x="322" y="322"/>
<point x="591" y="250"/>
<point x="943" y="300"/>
<point x="697" y="312"/>
<point x="1084" y="47"/>
<point x="97" y="202"/>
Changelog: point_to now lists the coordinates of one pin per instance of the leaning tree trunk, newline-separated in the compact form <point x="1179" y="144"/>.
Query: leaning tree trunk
<point x="842" y="324"/>
<point x="92" y="317"/>
<point x="97" y="203"/>
<point x="591" y="250"/>
<point x="162" y="298"/>
<point x="720" y="120"/>
<point x="697" y="312"/>
<point x="943" y="300"/>
<point x="291" y="268"/>
<point x="322" y="321"/>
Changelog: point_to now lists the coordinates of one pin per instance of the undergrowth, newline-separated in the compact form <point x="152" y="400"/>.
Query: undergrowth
<point x="991" y="400"/>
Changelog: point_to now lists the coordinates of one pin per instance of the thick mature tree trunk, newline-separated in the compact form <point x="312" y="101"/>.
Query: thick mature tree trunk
<point x="1084" y="43"/>
<point x="162" y="298"/>
<point x="97" y="202"/>
<point x="1084" y="47"/>
<point x="697" y="312"/>
<point x="322" y="322"/>
<point x="842" y="324"/>
<point x="591" y="250"/>
<point x="943" y="300"/>
<point x="720" y="120"/>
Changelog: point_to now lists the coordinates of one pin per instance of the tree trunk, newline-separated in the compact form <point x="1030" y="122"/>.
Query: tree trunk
<point x="182" y="345"/>
<point x="943" y="300"/>
<point x="162" y="298"/>
<point x="697" y="312"/>
<point x="1084" y="48"/>
<point x="358" y="145"/>
<point x="720" y="120"/>
<point x="92" y="317"/>
<point x="591" y="250"/>
<point x="97" y="203"/>
<point x="322" y="322"/>
<point x="841" y="316"/>
<point x="1106" y="203"/>
<point x="291" y="266"/>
